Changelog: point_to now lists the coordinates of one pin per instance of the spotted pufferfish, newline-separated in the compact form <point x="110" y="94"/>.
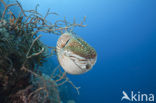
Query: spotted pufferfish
<point x="74" y="54"/>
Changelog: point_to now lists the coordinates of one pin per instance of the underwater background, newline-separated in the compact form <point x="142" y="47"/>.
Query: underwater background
<point x="123" y="33"/>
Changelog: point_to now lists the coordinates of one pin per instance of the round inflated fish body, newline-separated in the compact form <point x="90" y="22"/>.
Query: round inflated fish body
<point x="74" y="54"/>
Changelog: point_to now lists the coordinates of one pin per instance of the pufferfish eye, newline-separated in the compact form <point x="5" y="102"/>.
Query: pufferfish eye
<point x="74" y="54"/>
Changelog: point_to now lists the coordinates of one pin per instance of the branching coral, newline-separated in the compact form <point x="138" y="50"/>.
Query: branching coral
<point x="21" y="52"/>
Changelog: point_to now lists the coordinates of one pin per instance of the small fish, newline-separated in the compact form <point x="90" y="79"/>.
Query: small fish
<point x="74" y="54"/>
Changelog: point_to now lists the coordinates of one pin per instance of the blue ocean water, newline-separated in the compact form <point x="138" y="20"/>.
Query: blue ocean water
<point x="123" y="32"/>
